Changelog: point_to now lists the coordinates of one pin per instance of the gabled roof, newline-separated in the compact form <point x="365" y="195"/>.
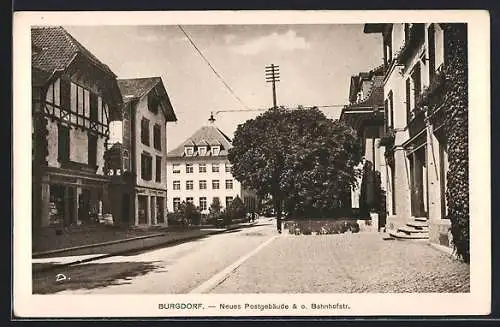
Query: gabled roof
<point x="137" y="87"/>
<point x="53" y="48"/>
<point x="207" y="134"/>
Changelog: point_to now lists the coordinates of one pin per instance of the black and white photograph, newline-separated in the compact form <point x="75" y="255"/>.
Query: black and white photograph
<point x="233" y="164"/>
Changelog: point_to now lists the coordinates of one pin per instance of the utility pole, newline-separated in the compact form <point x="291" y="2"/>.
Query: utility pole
<point x="273" y="76"/>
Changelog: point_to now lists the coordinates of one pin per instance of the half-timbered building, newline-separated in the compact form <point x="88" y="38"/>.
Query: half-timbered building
<point x="74" y="98"/>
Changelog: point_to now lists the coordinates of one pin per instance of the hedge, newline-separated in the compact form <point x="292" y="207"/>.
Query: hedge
<point x="456" y="127"/>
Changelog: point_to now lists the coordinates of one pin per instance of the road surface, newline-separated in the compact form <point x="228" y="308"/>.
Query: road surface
<point x="258" y="260"/>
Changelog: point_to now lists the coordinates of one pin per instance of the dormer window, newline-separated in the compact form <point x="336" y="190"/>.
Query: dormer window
<point x="359" y="96"/>
<point x="189" y="150"/>
<point x="202" y="150"/>
<point x="215" y="150"/>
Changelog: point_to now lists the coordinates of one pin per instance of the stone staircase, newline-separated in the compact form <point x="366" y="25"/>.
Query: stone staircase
<point x="416" y="229"/>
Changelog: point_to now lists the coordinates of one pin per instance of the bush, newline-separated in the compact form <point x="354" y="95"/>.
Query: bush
<point x="323" y="227"/>
<point x="215" y="207"/>
<point x="237" y="209"/>
<point x="192" y="214"/>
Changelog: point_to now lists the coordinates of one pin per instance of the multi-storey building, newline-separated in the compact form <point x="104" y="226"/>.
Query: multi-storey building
<point x="415" y="142"/>
<point x="141" y="149"/>
<point x="74" y="98"/>
<point x="198" y="171"/>
<point x="365" y="113"/>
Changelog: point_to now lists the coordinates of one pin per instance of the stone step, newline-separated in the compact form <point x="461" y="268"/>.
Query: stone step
<point x="418" y="224"/>
<point x="409" y="229"/>
<point x="412" y="236"/>
<point x="423" y="219"/>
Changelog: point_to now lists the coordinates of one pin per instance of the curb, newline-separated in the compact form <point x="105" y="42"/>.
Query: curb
<point x="443" y="249"/>
<point x="128" y="251"/>
<point x="37" y="255"/>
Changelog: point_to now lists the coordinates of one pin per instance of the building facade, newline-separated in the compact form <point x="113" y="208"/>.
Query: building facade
<point x="198" y="171"/>
<point x="415" y="140"/>
<point x="365" y="113"/>
<point x="140" y="149"/>
<point x="74" y="98"/>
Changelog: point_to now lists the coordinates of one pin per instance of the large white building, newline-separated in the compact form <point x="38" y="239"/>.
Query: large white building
<point x="198" y="171"/>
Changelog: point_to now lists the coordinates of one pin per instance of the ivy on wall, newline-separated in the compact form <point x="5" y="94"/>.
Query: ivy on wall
<point x="456" y="127"/>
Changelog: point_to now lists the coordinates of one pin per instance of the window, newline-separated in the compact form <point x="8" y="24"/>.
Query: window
<point x="153" y="103"/>
<point x="408" y="100"/>
<point x="203" y="203"/>
<point x="229" y="184"/>
<point x="146" y="166"/>
<point x="63" y="143"/>
<point x="202" y="150"/>
<point x="158" y="169"/>
<point x="92" y="150"/>
<point x="126" y="161"/>
<point x="189" y="200"/>
<point x="157" y="137"/>
<point x="417" y="86"/>
<point x="176" y="168"/>
<point x="229" y="200"/>
<point x="145" y="131"/>
<point x="189" y="185"/>
<point x="215" y="150"/>
<point x="388" y="47"/>
<point x="215" y="198"/>
<point x="432" y="51"/>
<point x="391" y="109"/>
<point x="189" y="168"/>
<point x="176" y="185"/>
<point x="215" y="184"/>
<point x="203" y="185"/>
<point x="386" y="113"/>
<point x="189" y="150"/>
<point x="65" y="94"/>
<point x="93" y="107"/>
<point x="215" y="168"/>
<point x="228" y="168"/>
<point x="177" y="202"/>
<point x="202" y="168"/>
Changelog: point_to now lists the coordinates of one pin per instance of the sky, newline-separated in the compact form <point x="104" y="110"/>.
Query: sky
<point x="316" y="63"/>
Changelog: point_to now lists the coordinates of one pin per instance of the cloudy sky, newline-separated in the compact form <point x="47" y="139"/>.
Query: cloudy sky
<point x="316" y="62"/>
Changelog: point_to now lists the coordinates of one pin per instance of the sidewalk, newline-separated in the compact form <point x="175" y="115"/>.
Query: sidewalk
<point x="48" y="260"/>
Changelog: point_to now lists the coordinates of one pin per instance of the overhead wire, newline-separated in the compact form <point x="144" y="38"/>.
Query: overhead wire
<point x="212" y="67"/>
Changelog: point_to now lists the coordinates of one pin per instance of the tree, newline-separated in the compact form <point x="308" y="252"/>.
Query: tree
<point x="237" y="208"/>
<point x="302" y="159"/>
<point x="215" y="207"/>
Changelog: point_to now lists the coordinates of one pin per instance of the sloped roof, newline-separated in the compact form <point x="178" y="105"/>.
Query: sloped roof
<point x="206" y="134"/>
<point x="375" y="97"/>
<point x="137" y="87"/>
<point x="53" y="48"/>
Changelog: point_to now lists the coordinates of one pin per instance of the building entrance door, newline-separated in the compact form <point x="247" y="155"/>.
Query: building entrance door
<point x="418" y="183"/>
<point x="142" y="209"/>
<point x="84" y="206"/>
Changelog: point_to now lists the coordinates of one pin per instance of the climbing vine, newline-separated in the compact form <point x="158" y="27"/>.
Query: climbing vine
<point x="456" y="127"/>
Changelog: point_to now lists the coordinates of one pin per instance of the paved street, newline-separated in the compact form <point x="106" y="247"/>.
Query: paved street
<point x="257" y="260"/>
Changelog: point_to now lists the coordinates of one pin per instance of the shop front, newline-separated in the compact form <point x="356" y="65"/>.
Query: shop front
<point x="150" y="206"/>
<point x="70" y="199"/>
